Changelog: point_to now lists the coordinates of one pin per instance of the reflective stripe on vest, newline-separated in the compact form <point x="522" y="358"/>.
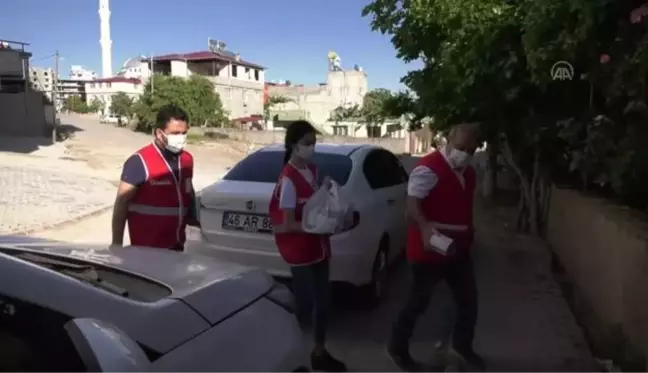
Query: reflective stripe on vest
<point x="158" y="211"/>
<point x="449" y="227"/>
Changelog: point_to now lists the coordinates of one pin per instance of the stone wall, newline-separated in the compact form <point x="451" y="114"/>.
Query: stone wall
<point x="604" y="250"/>
<point x="260" y="138"/>
<point x="23" y="114"/>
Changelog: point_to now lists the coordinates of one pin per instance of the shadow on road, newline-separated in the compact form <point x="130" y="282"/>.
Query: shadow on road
<point x="23" y="145"/>
<point x="65" y="131"/>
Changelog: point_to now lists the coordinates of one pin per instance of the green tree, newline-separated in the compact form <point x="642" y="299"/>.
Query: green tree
<point x="273" y="101"/>
<point x="75" y="104"/>
<point x="375" y="106"/>
<point x="195" y="95"/>
<point x="122" y="105"/>
<point x="96" y="105"/>
<point x="342" y="113"/>
<point x="490" y="60"/>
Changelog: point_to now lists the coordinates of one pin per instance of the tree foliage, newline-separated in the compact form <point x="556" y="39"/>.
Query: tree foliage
<point x="122" y="105"/>
<point x="196" y="95"/>
<point x="375" y="106"/>
<point x="75" y="104"/>
<point x="96" y="105"/>
<point x="490" y="61"/>
<point x="273" y="101"/>
<point x="342" y="113"/>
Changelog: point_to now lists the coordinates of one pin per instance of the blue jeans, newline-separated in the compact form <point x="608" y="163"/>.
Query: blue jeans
<point x="310" y="286"/>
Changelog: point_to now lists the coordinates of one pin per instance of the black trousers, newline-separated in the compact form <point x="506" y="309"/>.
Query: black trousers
<point x="460" y="276"/>
<point x="311" y="289"/>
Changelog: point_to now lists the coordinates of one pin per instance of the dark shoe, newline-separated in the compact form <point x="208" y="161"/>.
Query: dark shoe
<point x="326" y="363"/>
<point x="469" y="357"/>
<point x="403" y="360"/>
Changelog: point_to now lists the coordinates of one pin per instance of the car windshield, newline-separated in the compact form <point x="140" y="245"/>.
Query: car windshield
<point x="265" y="166"/>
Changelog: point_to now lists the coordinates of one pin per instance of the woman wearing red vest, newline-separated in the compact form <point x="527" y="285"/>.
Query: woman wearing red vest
<point x="440" y="201"/>
<point x="307" y="254"/>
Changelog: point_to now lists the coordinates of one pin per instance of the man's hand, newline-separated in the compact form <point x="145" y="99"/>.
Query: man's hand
<point x="327" y="182"/>
<point x="427" y="231"/>
<point x="193" y="222"/>
<point x="115" y="245"/>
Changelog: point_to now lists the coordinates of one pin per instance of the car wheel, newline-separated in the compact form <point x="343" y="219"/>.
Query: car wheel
<point x="376" y="290"/>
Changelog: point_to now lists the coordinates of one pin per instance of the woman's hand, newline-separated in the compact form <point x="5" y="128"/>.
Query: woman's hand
<point x="327" y="182"/>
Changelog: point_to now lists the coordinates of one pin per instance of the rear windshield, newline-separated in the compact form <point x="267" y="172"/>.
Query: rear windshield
<point x="265" y="167"/>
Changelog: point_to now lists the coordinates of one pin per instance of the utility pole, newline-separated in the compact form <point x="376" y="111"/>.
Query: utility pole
<point x="55" y="96"/>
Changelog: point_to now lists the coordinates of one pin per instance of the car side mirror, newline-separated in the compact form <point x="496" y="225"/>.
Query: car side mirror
<point x="104" y="348"/>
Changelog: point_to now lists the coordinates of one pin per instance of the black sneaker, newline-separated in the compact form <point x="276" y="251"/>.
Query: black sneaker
<point x="403" y="360"/>
<point x="324" y="362"/>
<point x="470" y="358"/>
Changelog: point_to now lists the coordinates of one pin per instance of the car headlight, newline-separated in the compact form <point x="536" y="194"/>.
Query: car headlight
<point x="282" y="297"/>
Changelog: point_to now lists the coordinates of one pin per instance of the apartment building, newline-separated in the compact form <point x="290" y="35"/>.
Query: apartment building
<point x="25" y="112"/>
<point x="239" y="83"/>
<point x="103" y="89"/>
<point x="44" y="80"/>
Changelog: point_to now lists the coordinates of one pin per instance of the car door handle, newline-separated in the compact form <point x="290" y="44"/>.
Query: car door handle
<point x="391" y="201"/>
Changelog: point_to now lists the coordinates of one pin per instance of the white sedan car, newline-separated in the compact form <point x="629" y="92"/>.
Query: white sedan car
<point x="184" y="312"/>
<point x="234" y="212"/>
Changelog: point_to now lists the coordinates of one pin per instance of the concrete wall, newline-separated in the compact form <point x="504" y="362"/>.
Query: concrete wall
<point x="23" y="114"/>
<point x="260" y="138"/>
<point x="604" y="249"/>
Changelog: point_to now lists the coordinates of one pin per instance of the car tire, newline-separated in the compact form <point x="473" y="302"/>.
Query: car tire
<point x="375" y="291"/>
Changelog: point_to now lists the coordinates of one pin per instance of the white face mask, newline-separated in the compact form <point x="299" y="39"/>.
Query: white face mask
<point x="305" y="152"/>
<point x="176" y="142"/>
<point x="459" y="158"/>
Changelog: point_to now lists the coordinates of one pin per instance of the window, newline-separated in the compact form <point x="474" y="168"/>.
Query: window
<point x="108" y="85"/>
<point x="341" y="130"/>
<point x="256" y="75"/>
<point x="265" y="167"/>
<point x="383" y="170"/>
<point x="91" y="85"/>
<point x="234" y="71"/>
<point x="33" y="338"/>
<point x="44" y="73"/>
<point x="247" y="71"/>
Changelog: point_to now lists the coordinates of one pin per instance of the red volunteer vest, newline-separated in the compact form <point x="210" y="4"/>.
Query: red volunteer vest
<point x="298" y="248"/>
<point x="157" y="214"/>
<point x="449" y="205"/>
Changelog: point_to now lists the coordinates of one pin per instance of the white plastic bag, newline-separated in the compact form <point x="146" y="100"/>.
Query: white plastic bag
<point x="324" y="212"/>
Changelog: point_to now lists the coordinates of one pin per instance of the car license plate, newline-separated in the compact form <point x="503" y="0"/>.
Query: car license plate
<point x="247" y="222"/>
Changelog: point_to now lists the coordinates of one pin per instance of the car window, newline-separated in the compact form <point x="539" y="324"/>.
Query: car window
<point x="265" y="167"/>
<point x="382" y="169"/>
<point x="33" y="338"/>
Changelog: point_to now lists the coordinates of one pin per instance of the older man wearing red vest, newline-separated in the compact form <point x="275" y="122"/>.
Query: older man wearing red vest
<point x="440" y="202"/>
<point x="156" y="195"/>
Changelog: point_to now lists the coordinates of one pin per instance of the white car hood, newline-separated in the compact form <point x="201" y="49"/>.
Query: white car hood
<point x="214" y="289"/>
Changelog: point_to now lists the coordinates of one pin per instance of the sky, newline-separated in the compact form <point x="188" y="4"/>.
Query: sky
<point x="291" y="38"/>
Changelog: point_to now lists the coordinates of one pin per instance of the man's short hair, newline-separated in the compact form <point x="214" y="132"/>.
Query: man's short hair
<point x="167" y="113"/>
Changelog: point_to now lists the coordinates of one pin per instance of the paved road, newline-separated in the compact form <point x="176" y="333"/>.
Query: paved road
<point x="525" y="324"/>
<point x="34" y="198"/>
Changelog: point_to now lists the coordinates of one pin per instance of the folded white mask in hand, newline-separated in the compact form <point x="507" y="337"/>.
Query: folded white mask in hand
<point x="441" y="243"/>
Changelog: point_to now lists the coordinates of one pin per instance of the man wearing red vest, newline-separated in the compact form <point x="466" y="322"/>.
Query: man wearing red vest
<point x="156" y="194"/>
<point x="440" y="202"/>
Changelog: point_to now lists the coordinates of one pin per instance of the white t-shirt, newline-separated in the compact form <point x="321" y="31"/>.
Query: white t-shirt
<point x="422" y="179"/>
<point x="288" y="194"/>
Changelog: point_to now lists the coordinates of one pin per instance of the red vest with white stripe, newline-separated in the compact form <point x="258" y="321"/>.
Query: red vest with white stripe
<point x="157" y="214"/>
<point x="298" y="248"/>
<point x="448" y="206"/>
